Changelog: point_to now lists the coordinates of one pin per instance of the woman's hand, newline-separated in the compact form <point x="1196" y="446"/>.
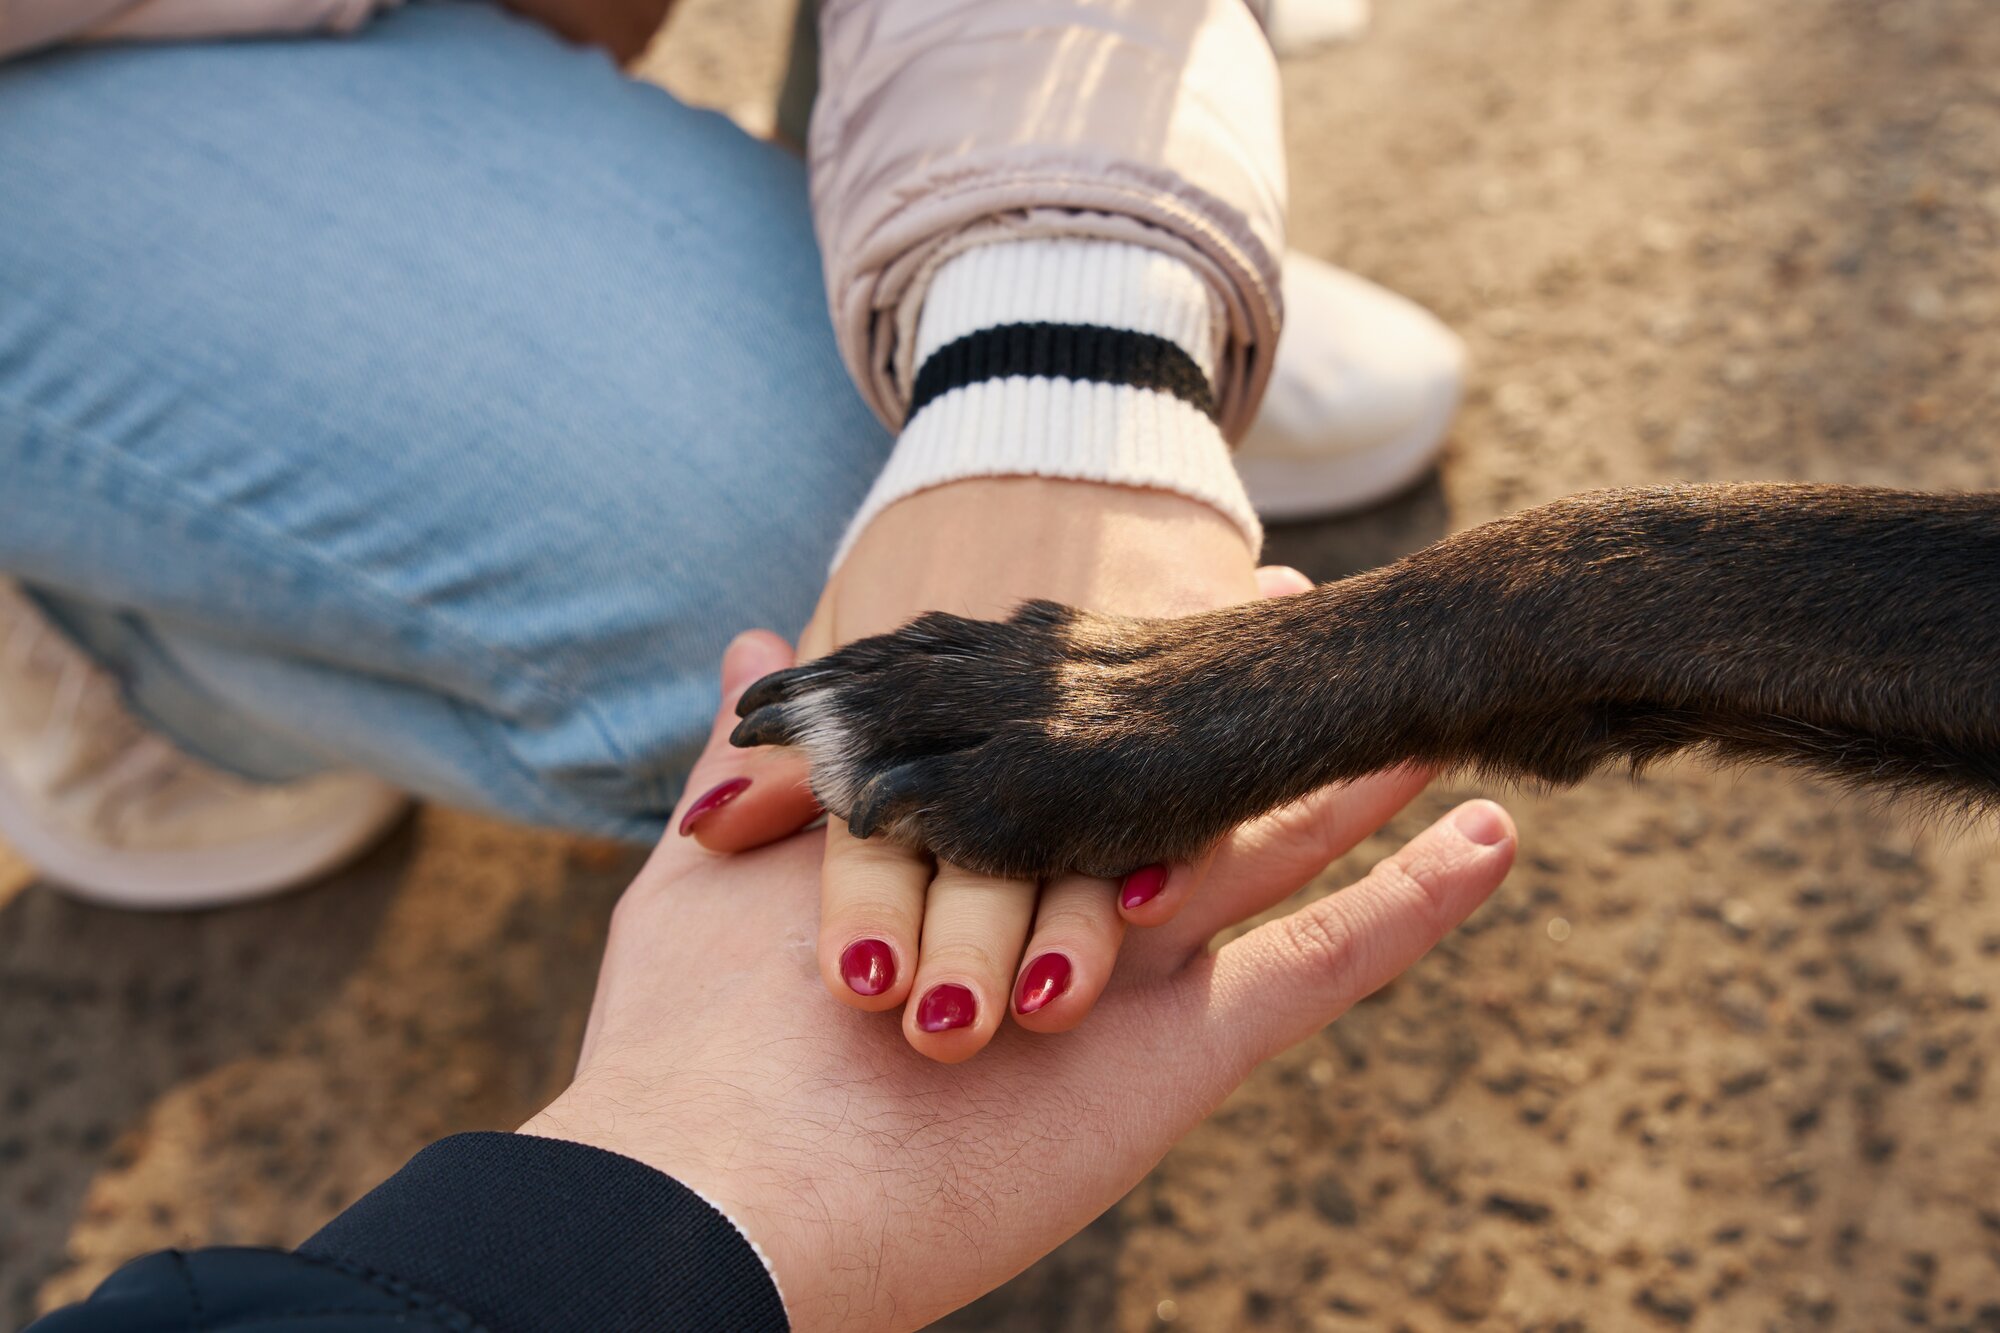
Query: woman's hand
<point x="969" y="947"/>
<point x="886" y="1190"/>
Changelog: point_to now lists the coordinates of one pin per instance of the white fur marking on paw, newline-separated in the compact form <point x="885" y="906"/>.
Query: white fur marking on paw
<point x="825" y="739"/>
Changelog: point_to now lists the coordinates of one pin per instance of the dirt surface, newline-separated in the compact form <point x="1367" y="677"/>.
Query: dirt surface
<point x="1723" y="1055"/>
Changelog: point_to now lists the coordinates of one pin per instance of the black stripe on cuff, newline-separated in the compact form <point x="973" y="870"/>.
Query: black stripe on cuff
<point x="1093" y="352"/>
<point x="533" y="1235"/>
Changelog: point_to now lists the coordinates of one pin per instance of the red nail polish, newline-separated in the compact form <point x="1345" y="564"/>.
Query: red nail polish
<point x="1044" y="979"/>
<point x="721" y="794"/>
<point x="946" y="1007"/>
<point x="868" y="967"/>
<point x="1142" y="886"/>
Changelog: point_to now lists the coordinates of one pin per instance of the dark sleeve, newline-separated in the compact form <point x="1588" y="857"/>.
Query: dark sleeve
<point x="495" y="1232"/>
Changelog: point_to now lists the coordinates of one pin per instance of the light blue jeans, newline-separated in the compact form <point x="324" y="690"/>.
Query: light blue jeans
<point x="435" y="401"/>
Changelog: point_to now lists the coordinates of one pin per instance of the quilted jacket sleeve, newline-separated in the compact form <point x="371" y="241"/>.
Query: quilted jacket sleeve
<point x="944" y="124"/>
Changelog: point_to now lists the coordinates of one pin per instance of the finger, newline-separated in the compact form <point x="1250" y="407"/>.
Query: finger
<point x="1269" y="859"/>
<point x="735" y="799"/>
<point x="1280" y="581"/>
<point x="750" y="656"/>
<point x="1153" y="895"/>
<point x="1289" y="978"/>
<point x="871" y="916"/>
<point x="1070" y="953"/>
<point x="768" y="797"/>
<point x="816" y="639"/>
<point x="974" y="927"/>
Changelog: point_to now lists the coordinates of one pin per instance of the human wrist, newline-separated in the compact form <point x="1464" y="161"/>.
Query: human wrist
<point x="1083" y="360"/>
<point x="823" y="1282"/>
<point x="983" y="545"/>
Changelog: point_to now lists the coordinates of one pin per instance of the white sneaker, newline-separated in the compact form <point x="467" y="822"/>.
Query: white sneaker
<point x="1298" y="27"/>
<point x="115" y="814"/>
<point x="1360" y="400"/>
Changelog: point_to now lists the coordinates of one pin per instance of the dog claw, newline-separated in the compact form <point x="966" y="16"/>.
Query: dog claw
<point x="878" y="802"/>
<point x="769" y="725"/>
<point x="774" y="688"/>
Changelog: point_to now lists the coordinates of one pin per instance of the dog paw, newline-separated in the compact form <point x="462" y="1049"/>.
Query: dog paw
<point x="1050" y="741"/>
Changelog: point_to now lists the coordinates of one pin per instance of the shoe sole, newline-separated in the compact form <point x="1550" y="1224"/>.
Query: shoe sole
<point x="191" y="879"/>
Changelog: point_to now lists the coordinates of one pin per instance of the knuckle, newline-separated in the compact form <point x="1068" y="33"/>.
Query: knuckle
<point x="861" y="874"/>
<point x="853" y="915"/>
<point x="631" y="906"/>
<point x="837" y="930"/>
<point x="964" y="958"/>
<point x="1323" y="940"/>
<point x="1328" y="834"/>
<point x="1315" y="825"/>
<point x="1415" y="881"/>
<point x="955" y="879"/>
<point x="1089" y="925"/>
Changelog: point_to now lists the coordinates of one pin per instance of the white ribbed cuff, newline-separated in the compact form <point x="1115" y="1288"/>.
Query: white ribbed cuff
<point x="1153" y="433"/>
<point x="1110" y="283"/>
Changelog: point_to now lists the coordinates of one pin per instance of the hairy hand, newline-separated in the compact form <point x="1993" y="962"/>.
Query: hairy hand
<point x="887" y="1189"/>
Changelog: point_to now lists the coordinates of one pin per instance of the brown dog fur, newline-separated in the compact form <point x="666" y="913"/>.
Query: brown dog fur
<point x="1848" y="631"/>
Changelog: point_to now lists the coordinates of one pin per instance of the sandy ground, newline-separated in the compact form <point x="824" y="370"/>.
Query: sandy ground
<point x="1720" y="1056"/>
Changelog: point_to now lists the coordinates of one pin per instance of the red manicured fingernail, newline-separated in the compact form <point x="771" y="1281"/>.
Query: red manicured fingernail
<point x="1142" y="886"/>
<point x="721" y="794"/>
<point x="1044" y="979"/>
<point x="1481" y="821"/>
<point x="946" y="1007"/>
<point x="868" y="967"/>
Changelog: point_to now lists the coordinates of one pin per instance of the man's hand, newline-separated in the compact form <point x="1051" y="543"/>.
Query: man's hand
<point x="887" y="1190"/>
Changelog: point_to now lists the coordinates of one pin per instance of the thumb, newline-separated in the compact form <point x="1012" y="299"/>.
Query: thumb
<point x="1280" y="581"/>
<point x="750" y="656"/>
<point x="1287" y="979"/>
<point x="734" y="798"/>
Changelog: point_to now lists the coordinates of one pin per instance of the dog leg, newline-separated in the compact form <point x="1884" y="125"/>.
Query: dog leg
<point x="1852" y="632"/>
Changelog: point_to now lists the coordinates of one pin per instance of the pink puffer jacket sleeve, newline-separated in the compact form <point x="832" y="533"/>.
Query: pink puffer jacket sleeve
<point x="943" y="124"/>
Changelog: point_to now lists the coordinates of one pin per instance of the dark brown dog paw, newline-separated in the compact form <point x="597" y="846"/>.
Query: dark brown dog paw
<point x="1022" y="747"/>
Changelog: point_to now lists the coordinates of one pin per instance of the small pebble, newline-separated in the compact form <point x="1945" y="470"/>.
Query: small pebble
<point x="1332" y="1200"/>
<point x="1926" y="303"/>
<point x="1790" y="1229"/>
<point x="1885" y="1028"/>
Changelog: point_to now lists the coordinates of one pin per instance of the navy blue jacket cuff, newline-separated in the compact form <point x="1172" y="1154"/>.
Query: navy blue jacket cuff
<point x="525" y="1233"/>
